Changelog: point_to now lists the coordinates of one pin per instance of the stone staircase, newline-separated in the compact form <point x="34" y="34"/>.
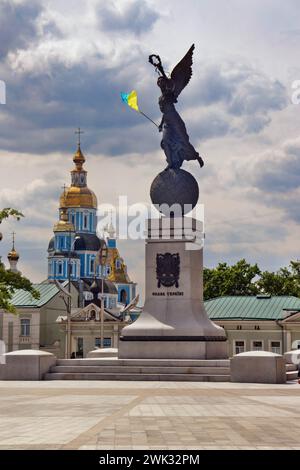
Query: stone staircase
<point x="291" y="372"/>
<point x="177" y="370"/>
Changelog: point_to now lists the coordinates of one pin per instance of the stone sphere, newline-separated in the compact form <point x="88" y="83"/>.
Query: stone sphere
<point x="175" y="187"/>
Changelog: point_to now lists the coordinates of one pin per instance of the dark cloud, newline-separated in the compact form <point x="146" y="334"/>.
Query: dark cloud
<point x="274" y="180"/>
<point x="45" y="104"/>
<point x="17" y="25"/>
<point x="279" y="174"/>
<point x="243" y="89"/>
<point x="137" y="17"/>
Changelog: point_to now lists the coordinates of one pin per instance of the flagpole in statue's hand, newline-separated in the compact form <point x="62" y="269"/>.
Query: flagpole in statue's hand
<point x="131" y="100"/>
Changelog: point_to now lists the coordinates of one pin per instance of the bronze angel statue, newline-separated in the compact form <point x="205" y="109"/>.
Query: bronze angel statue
<point x="175" y="141"/>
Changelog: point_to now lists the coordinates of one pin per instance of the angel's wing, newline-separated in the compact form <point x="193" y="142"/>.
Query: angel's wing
<point x="182" y="73"/>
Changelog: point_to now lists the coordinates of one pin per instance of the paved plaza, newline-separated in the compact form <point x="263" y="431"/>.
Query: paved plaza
<point x="148" y="415"/>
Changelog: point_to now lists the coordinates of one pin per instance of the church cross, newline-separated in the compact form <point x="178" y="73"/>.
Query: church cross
<point x="13" y="239"/>
<point x="79" y="132"/>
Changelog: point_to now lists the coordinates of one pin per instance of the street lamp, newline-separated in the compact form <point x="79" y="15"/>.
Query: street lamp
<point x="102" y="253"/>
<point x="69" y="304"/>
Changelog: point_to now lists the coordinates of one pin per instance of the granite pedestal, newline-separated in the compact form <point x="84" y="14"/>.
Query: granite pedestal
<point x="174" y="323"/>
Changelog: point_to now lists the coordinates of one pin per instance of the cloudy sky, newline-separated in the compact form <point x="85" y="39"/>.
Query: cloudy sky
<point x="65" y="63"/>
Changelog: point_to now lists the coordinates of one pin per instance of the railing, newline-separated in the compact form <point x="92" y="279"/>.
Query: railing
<point x="24" y="339"/>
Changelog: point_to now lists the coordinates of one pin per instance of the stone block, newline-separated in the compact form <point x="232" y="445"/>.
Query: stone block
<point x="258" y="367"/>
<point x="27" y="364"/>
<point x="104" y="352"/>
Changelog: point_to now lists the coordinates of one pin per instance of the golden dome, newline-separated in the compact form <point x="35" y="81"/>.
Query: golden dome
<point x="13" y="255"/>
<point x="63" y="225"/>
<point x="75" y="196"/>
<point x="78" y="194"/>
<point x="78" y="159"/>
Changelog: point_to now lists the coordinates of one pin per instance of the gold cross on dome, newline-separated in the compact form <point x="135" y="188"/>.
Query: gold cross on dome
<point x="13" y="239"/>
<point x="79" y="132"/>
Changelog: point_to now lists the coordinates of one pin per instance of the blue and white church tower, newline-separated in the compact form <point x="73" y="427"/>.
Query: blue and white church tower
<point x="76" y="244"/>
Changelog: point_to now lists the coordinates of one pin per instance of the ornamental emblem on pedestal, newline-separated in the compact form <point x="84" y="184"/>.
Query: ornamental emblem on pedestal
<point x="167" y="269"/>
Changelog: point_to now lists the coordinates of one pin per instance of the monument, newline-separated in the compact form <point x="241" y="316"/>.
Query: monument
<point x="174" y="323"/>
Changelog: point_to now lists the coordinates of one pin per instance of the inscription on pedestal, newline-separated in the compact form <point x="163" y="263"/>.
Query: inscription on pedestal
<point x="166" y="294"/>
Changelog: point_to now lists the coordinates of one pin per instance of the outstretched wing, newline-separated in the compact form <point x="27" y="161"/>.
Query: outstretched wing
<point x="183" y="71"/>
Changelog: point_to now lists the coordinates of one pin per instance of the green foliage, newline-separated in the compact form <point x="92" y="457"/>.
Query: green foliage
<point x="243" y="278"/>
<point x="286" y="281"/>
<point x="9" y="281"/>
<point x="7" y="212"/>
<point x="230" y="280"/>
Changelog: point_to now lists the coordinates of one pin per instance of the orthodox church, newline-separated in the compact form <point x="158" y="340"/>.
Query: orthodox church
<point x="75" y="246"/>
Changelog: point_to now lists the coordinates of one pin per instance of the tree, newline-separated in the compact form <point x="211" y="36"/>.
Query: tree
<point x="9" y="281"/>
<point x="8" y="212"/>
<point x="237" y="279"/>
<point x="285" y="281"/>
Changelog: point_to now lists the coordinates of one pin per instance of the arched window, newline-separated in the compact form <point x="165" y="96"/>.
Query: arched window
<point x="92" y="265"/>
<point x="73" y="268"/>
<point x="85" y="221"/>
<point x="123" y="296"/>
<point x="59" y="268"/>
<point x="118" y="263"/>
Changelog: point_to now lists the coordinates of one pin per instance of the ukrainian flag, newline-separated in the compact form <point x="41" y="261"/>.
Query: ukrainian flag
<point x="131" y="100"/>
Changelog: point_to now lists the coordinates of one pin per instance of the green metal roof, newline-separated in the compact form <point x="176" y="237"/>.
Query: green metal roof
<point x="251" y="307"/>
<point x="47" y="291"/>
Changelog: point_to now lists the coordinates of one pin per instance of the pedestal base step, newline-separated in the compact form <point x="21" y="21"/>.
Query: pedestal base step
<point x="136" y="369"/>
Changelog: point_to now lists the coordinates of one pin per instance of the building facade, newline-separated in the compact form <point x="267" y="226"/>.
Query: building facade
<point x="263" y="322"/>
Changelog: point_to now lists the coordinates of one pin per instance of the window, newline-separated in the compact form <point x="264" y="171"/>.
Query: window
<point x="59" y="268"/>
<point x="123" y="296"/>
<point x="256" y="327"/>
<point x="92" y="265"/>
<point x="25" y="327"/>
<point x="61" y="243"/>
<point x="257" y="346"/>
<point x="276" y="347"/>
<point x="73" y="269"/>
<point x="73" y="219"/>
<point x="106" y="342"/>
<point x="118" y="263"/>
<point x="239" y="347"/>
<point x="85" y="221"/>
<point x="239" y="327"/>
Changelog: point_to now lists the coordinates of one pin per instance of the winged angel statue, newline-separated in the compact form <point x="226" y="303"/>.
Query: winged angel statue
<point x="175" y="141"/>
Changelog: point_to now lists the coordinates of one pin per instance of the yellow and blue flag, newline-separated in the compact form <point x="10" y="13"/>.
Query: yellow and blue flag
<point x="131" y="100"/>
